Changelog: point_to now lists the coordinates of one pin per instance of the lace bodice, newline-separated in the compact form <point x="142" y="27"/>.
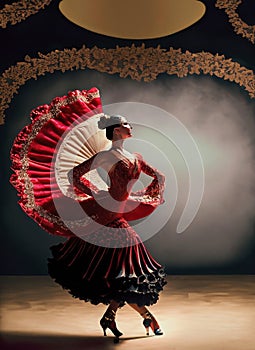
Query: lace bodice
<point x="122" y="176"/>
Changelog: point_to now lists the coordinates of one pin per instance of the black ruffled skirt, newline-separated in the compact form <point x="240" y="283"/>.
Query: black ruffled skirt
<point x="101" y="274"/>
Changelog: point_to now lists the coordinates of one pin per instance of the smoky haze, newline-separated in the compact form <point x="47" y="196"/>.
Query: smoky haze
<point x="222" y="123"/>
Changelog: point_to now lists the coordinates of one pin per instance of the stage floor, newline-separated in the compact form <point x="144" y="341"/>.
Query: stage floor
<point x="195" y="312"/>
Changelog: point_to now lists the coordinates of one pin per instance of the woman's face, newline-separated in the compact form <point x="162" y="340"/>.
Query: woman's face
<point x="124" y="130"/>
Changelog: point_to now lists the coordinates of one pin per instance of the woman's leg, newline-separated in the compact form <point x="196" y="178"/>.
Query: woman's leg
<point x="108" y="319"/>
<point x="140" y="309"/>
<point x="149" y="319"/>
<point x="113" y="307"/>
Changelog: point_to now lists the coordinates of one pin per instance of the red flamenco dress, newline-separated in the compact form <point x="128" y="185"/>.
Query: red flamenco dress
<point x="103" y="258"/>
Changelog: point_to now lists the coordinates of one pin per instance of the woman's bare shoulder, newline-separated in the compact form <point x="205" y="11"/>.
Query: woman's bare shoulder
<point x="104" y="156"/>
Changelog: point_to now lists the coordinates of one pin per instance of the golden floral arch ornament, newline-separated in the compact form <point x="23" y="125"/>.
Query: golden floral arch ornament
<point x="240" y="27"/>
<point x="20" y="10"/>
<point x="138" y="63"/>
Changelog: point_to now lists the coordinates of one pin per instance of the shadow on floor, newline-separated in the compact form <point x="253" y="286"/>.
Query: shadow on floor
<point x="21" y="341"/>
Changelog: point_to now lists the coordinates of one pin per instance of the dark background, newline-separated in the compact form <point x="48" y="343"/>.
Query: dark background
<point x="24" y="245"/>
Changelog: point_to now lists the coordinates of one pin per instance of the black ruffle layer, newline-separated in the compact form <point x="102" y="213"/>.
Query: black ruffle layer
<point x="93" y="274"/>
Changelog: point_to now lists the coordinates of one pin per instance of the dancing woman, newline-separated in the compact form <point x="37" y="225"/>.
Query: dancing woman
<point x="115" y="268"/>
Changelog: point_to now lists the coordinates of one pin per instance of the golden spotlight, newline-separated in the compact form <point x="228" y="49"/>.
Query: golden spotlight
<point x="133" y="19"/>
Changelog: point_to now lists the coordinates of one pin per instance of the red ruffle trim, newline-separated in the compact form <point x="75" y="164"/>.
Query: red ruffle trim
<point x="35" y="147"/>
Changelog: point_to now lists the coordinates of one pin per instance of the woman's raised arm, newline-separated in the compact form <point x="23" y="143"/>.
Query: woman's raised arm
<point x="153" y="172"/>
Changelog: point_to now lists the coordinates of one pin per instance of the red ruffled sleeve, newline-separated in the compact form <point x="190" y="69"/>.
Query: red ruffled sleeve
<point x="80" y="184"/>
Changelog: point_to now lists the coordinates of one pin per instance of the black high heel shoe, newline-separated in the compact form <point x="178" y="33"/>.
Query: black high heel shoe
<point x="150" y="322"/>
<point x="108" y="321"/>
